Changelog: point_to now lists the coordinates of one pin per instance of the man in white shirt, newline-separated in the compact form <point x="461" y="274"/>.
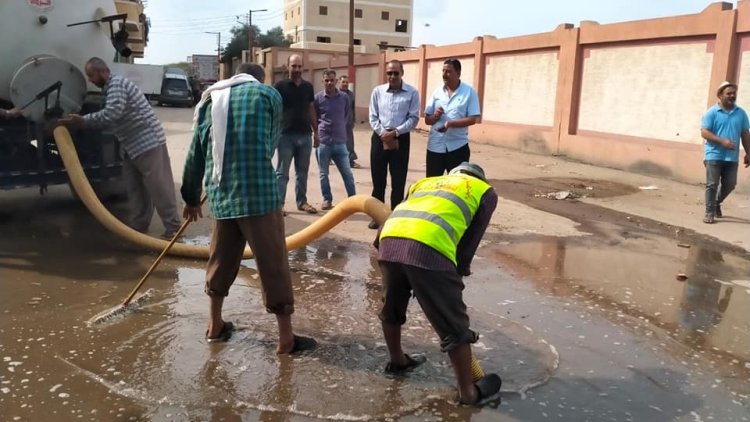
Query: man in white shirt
<point x="394" y="112"/>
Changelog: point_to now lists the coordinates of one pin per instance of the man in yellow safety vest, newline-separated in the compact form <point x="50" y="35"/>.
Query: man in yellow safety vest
<point x="426" y="247"/>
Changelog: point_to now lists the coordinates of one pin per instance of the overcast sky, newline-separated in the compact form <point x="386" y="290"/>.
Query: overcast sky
<point x="178" y="27"/>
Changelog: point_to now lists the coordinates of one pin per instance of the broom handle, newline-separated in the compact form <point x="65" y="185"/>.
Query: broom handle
<point x="158" y="260"/>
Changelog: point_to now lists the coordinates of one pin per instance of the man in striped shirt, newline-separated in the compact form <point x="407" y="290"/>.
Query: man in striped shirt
<point x="236" y="133"/>
<point x="146" y="167"/>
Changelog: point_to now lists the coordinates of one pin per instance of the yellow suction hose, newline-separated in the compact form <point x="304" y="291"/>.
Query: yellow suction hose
<point x="358" y="203"/>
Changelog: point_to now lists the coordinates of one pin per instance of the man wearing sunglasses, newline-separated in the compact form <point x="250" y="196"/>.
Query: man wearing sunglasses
<point x="394" y="112"/>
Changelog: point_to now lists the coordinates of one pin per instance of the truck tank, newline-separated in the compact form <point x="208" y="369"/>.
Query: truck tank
<point x="42" y="70"/>
<point x="46" y="50"/>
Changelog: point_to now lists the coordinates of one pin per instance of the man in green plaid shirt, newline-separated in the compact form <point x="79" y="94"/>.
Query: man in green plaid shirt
<point x="243" y="195"/>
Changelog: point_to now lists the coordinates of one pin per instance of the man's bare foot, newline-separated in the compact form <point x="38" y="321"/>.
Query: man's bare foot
<point x="298" y="344"/>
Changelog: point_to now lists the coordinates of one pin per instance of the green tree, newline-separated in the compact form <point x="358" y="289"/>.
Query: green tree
<point x="274" y="37"/>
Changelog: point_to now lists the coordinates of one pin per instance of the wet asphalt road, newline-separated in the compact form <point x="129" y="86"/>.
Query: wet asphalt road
<point x="594" y="327"/>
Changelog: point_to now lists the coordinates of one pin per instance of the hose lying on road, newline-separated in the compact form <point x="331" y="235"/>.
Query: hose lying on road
<point x="357" y="203"/>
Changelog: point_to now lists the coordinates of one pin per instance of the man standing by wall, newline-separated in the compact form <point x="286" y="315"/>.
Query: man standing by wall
<point x="332" y="109"/>
<point x="394" y="112"/>
<point x="723" y="127"/>
<point x="298" y="121"/>
<point x="146" y="167"/>
<point x="426" y="246"/>
<point x="451" y="110"/>
<point x="235" y="135"/>
<point x="344" y="87"/>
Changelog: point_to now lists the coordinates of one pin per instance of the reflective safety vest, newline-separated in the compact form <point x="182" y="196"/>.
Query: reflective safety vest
<point x="437" y="212"/>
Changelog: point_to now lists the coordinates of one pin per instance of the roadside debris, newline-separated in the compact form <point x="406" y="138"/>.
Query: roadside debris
<point x="560" y="195"/>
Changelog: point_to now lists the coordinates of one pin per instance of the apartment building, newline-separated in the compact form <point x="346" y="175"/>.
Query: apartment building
<point x="324" y="24"/>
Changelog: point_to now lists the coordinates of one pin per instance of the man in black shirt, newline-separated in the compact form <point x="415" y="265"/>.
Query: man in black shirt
<point x="298" y="121"/>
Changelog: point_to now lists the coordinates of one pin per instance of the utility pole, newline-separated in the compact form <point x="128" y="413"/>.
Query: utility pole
<point x="251" y="32"/>
<point x="352" y="72"/>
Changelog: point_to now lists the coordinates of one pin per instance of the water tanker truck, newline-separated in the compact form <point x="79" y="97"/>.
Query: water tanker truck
<point x="43" y="49"/>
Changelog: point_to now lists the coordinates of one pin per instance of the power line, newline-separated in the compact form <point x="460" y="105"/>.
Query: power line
<point x="157" y="24"/>
<point x="222" y="28"/>
<point x="210" y="18"/>
<point x="268" y="16"/>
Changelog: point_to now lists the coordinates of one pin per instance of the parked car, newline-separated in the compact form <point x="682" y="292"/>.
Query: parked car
<point x="175" y="90"/>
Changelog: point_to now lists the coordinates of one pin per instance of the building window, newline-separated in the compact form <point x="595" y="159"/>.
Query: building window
<point x="323" y="10"/>
<point x="401" y="25"/>
<point x="357" y="41"/>
<point x="326" y="40"/>
<point x="357" y="13"/>
<point x="292" y="13"/>
<point x="384" y="15"/>
<point x="286" y="16"/>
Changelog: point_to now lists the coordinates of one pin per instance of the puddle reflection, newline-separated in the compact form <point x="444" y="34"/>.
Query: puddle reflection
<point x="706" y="313"/>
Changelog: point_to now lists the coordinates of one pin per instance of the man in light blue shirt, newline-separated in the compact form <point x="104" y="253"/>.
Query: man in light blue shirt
<point x="451" y="110"/>
<point x="394" y="112"/>
<point x="723" y="127"/>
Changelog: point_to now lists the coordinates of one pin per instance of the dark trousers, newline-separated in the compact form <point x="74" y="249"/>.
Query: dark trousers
<point x="439" y="163"/>
<point x="350" y="142"/>
<point x="721" y="178"/>
<point x="394" y="161"/>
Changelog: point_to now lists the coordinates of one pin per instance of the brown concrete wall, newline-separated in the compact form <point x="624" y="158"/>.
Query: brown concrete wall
<point x="743" y="70"/>
<point x="368" y="77"/>
<point x="625" y="87"/>
<point x="512" y="80"/>
<point x="627" y="95"/>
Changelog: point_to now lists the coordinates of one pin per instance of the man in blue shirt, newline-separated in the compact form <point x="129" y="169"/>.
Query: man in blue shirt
<point x="450" y="111"/>
<point x="332" y="109"/>
<point x="723" y="127"/>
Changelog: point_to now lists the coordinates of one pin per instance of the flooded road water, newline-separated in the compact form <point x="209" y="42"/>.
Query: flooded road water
<point x="595" y="327"/>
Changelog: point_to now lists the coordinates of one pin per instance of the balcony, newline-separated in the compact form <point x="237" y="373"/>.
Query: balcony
<point x="134" y="25"/>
